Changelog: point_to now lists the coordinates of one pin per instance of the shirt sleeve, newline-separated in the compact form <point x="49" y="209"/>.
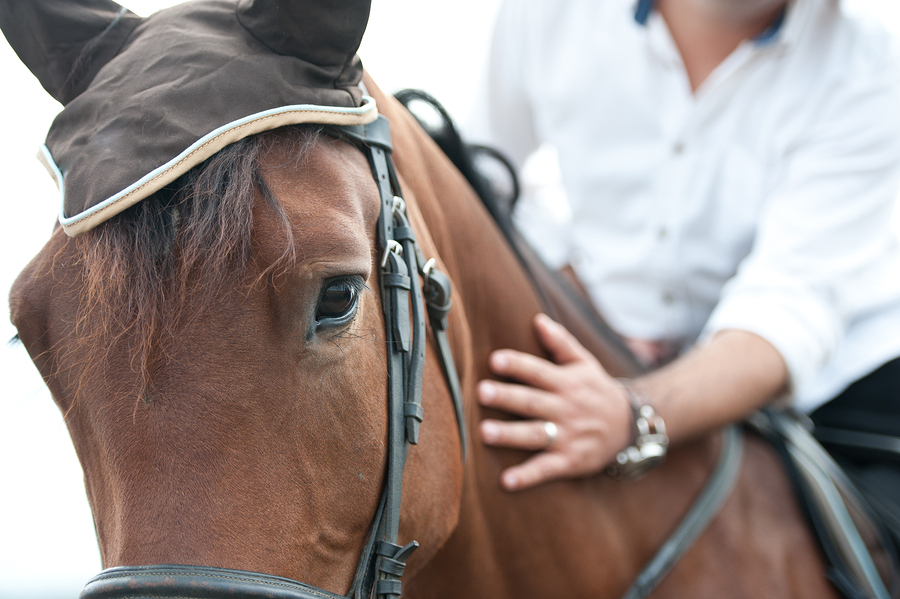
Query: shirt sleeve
<point x="824" y="240"/>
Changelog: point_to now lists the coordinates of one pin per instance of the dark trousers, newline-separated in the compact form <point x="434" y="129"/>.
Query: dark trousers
<point x="870" y="405"/>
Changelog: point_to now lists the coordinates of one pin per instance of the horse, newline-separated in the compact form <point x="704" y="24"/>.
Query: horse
<point x="219" y="355"/>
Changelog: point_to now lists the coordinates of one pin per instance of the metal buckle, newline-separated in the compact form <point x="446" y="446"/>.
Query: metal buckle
<point x="427" y="268"/>
<point x="398" y="206"/>
<point x="391" y="246"/>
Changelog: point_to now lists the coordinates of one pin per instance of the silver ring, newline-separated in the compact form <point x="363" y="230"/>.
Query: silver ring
<point x="552" y="432"/>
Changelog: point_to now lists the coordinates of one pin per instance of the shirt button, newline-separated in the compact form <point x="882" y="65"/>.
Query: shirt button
<point x="668" y="299"/>
<point x="662" y="233"/>
<point x="678" y="148"/>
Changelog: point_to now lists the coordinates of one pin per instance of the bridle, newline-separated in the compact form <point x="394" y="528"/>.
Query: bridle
<point x="404" y="304"/>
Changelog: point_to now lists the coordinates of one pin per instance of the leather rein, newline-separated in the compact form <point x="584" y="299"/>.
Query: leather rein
<point x="404" y="304"/>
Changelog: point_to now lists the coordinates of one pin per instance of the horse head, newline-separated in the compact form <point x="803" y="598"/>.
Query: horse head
<point x="220" y="359"/>
<point x="214" y="333"/>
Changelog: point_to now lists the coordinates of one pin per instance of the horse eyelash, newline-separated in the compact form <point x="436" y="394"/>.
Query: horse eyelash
<point x="358" y="284"/>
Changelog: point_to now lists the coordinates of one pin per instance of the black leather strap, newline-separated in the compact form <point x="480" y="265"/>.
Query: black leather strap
<point x="399" y="338"/>
<point x="403" y="308"/>
<point x="882" y="446"/>
<point x="377" y="134"/>
<point x="174" y="581"/>
<point x="437" y="299"/>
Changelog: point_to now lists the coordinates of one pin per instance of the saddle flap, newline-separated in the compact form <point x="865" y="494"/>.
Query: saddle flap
<point x="862" y="558"/>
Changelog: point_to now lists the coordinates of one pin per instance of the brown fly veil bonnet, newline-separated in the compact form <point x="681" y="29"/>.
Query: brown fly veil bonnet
<point x="146" y="99"/>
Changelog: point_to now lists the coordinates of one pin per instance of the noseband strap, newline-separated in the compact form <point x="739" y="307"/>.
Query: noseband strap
<point x="171" y="581"/>
<point x="404" y="305"/>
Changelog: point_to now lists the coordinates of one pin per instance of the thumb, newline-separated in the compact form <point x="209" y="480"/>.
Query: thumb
<point x="563" y="347"/>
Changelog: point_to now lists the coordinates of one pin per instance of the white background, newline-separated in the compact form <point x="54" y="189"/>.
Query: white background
<point x="47" y="544"/>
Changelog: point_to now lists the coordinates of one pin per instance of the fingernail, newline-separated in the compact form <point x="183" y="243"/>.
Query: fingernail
<point x="499" y="360"/>
<point x="546" y="321"/>
<point x="510" y="481"/>
<point x="486" y="392"/>
<point x="490" y="432"/>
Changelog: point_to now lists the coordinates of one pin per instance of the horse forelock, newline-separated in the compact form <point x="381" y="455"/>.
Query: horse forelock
<point x="148" y="273"/>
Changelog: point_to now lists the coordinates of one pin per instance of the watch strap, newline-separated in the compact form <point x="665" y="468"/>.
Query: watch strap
<point x="649" y="442"/>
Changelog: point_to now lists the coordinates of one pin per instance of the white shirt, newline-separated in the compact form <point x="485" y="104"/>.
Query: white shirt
<point x="760" y="202"/>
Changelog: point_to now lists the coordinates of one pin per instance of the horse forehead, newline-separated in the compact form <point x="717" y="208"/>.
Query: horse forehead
<point x="329" y="180"/>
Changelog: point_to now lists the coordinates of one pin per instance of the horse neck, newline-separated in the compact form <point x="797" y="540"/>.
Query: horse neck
<point x="495" y="303"/>
<point x="585" y="537"/>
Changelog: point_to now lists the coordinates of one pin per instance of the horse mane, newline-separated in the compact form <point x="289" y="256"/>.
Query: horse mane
<point x="149" y="272"/>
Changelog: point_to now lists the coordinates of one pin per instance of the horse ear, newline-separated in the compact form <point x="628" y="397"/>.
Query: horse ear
<point x="322" y="32"/>
<point x="65" y="43"/>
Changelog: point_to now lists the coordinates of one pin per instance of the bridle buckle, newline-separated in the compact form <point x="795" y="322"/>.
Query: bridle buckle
<point x="392" y="246"/>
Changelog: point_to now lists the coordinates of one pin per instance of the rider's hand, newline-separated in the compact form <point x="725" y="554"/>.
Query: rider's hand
<point x="588" y="407"/>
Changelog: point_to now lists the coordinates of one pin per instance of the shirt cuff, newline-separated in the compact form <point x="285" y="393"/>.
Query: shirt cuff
<point x="800" y="325"/>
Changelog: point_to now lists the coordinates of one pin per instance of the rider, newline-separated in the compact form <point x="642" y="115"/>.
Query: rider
<point x="731" y="167"/>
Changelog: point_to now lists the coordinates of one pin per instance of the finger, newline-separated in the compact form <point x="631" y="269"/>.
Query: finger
<point x="540" y="468"/>
<point x="527" y="369"/>
<point x="559" y="342"/>
<point x="530" y="435"/>
<point x="519" y="400"/>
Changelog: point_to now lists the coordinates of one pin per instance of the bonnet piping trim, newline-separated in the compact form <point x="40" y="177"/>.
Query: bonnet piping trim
<point x="202" y="149"/>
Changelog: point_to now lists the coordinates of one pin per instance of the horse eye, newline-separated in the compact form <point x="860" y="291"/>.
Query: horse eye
<point x="338" y="300"/>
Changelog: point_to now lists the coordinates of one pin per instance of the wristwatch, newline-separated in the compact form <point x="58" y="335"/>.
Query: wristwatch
<point x="649" y="441"/>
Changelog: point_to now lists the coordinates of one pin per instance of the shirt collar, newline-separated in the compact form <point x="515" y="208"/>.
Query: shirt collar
<point x="772" y="31"/>
<point x="642" y="11"/>
<point x="643" y="8"/>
